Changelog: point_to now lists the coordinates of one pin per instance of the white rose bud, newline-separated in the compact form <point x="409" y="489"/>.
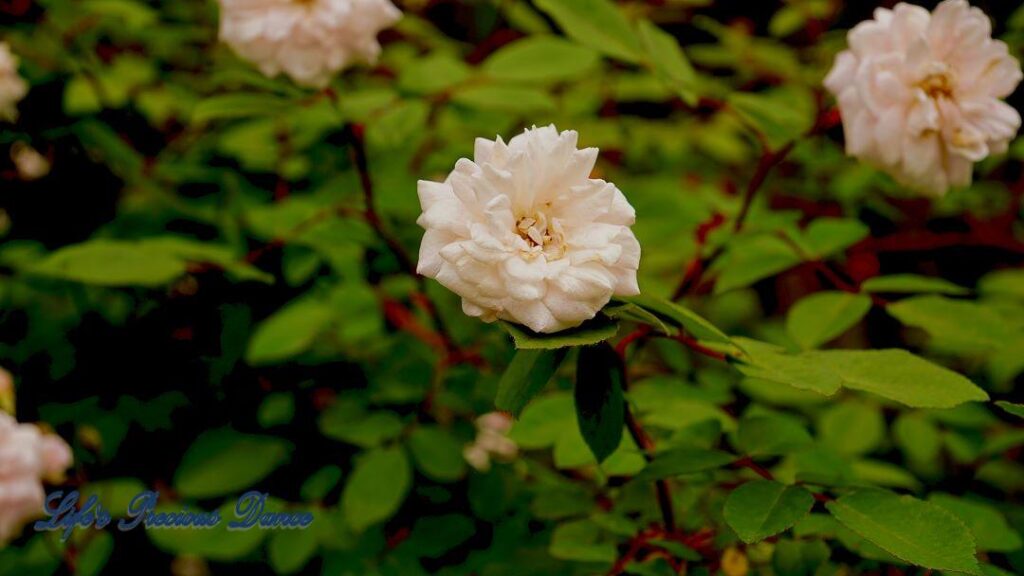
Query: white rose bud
<point x="30" y="164"/>
<point x="27" y="457"/>
<point x="12" y="86"/>
<point x="309" y="40"/>
<point x="921" y="93"/>
<point x="522" y="233"/>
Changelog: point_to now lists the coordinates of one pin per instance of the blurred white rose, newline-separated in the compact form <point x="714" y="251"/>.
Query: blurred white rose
<point x="522" y="233"/>
<point x="920" y="93"/>
<point x="30" y="164"/>
<point x="492" y="441"/>
<point x="12" y="86"/>
<point x="309" y="40"/>
<point x="27" y="457"/>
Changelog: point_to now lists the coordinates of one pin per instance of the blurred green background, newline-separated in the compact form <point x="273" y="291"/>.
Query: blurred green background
<point x="194" y="297"/>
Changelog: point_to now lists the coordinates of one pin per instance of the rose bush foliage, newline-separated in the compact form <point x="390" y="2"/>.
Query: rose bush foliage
<point x="751" y="354"/>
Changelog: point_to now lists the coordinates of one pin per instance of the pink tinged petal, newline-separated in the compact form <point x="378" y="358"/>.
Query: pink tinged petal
<point x="889" y="136"/>
<point x="959" y="171"/>
<point x="621" y="212"/>
<point x="483" y="150"/>
<point x="569" y="308"/>
<point x="430" y="259"/>
<point x="842" y="73"/>
<point x="431" y="193"/>
<point x="475" y="311"/>
<point x="525" y="279"/>
<point x="56" y="454"/>
<point x="535" y="315"/>
<point x="585" y="282"/>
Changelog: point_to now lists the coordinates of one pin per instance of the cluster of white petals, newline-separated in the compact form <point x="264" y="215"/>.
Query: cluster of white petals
<point x="309" y="40"/>
<point x="921" y="93"/>
<point x="12" y="86"/>
<point x="492" y="441"/>
<point x="522" y="233"/>
<point x="27" y="457"/>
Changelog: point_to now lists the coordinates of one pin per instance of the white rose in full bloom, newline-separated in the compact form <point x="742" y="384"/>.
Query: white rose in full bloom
<point x="309" y="40"/>
<point x="921" y="93"/>
<point x="27" y="457"/>
<point x="522" y="233"/>
<point x="12" y="86"/>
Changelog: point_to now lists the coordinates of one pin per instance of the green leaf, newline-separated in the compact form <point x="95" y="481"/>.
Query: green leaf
<point x="344" y="423"/>
<point x="669" y="62"/>
<point x="541" y="59"/>
<point x="771" y="435"/>
<point x="600" y="407"/>
<point x="749" y="259"/>
<point x="111" y="263"/>
<point x="986" y="522"/>
<point x="912" y="530"/>
<point x="276" y="409"/>
<point x="962" y="325"/>
<point x="912" y="283"/>
<point x="525" y="376"/>
<point x="224" y="461"/>
<point x="901" y="376"/>
<point x="681" y="316"/>
<point x="218" y="544"/>
<point x="504" y="98"/>
<point x="821" y="317"/>
<point x="919" y="439"/>
<point x="1011" y="408"/>
<point x="376" y="487"/>
<point x="93" y="558"/>
<point x="1008" y="282"/>
<point x="437" y="453"/>
<point x="290" y="550"/>
<point x="592" y="331"/>
<point x="433" y="536"/>
<point x="852" y="428"/>
<point x="894" y="374"/>
<point x="577" y="540"/>
<point x="679" y="461"/>
<point x="768" y="362"/>
<point x="320" y="483"/>
<point x="598" y="24"/>
<point x="763" y="508"/>
<point x="238" y="105"/>
<point x="435" y="73"/>
<point x="781" y="115"/>
<point x="288" y="332"/>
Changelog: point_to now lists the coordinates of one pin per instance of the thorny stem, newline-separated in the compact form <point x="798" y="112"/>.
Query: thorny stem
<point x="357" y="149"/>
<point x="668" y="516"/>
<point x="645" y="443"/>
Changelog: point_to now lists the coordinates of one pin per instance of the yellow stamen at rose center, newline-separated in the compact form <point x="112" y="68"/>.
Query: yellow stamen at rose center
<point x="541" y="235"/>
<point x="938" y="83"/>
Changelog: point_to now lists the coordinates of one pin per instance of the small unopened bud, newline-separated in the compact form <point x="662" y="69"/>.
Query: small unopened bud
<point x="735" y="563"/>
<point x="30" y="164"/>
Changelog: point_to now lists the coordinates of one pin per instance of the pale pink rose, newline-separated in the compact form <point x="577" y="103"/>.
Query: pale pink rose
<point x="522" y="233"/>
<point x="21" y="499"/>
<point x="55" y="456"/>
<point x="27" y="457"/>
<point x="492" y="441"/>
<point x="921" y="93"/>
<point x="12" y="86"/>
<point x="309" y="40"/>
